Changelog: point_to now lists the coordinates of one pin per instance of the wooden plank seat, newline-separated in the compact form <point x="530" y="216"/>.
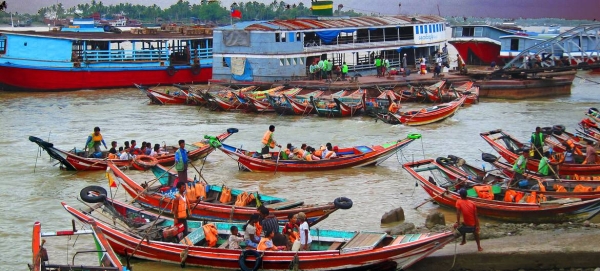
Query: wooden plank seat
<point x="363" y="241"/>
<point x="284" y="205"/>
<point x="335" y="246"/>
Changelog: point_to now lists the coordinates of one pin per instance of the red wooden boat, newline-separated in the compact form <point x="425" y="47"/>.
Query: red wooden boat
<point x="342" y="106"/>
<point x="431" y="93"/>
<point x="426" y="115"/>
<point x="181" y="96"/>
<point x="444" y="193"/>
<point x="210" y="208"/>
<point x="357" y="156"/>
<point x="330" y="249"/>
<point x="76" y="159"/>
<point x="506" y="145"/>
<point x="226" y="101"/>
<point x="257" y="101"/>
<point x="468" y="89"/>
<point x="458" y="171"/>
<point x="108" y="259"/>
<point x="296" y="105"/>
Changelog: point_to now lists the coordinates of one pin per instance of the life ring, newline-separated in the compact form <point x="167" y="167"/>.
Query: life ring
<point x="547" y="130"/>
<point x="171" y="70"/>
<point x="342" y="203"/>
<point x="558" y="129"/>
<point x="93" y="194"/>
<point x="443" y="161"/>
<point x="257" y="262"/>
<point x="453" y="158"/>
<point x="488" y="157"/>
<point x="145" y="161"/>
<point x="196" y="69"/>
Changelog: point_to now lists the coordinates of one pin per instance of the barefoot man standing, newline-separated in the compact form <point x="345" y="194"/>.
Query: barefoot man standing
<point x="470" y="220"/>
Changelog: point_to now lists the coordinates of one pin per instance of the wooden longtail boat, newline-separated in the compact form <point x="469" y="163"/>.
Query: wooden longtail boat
<point x="339" y="108"/>
<point x="357" y="156"/>
<point x="225" y="100"/>
<point x="428" y="173"/>
<point x="178" y="97"/>
<point x="257" y="101"/>
<point x="468" y="89"/>
<point x="299" y="105"/>
<point x="424" y="116"/>
<point x="211" y="208"/>
<point x="507" y="149"/>
<point x="330" y="249"/>
<point x="458" y="170"/>
<point x="432" y="93"/>
<point x="76" y="159"/>
<point x="108" y="259"/>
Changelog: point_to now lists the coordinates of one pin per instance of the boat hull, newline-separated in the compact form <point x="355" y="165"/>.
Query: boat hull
<point x="377" y="155"/>
<point x="404" y="254"/>
<point x="36" y="79"/>
<point x="478" y="52"/>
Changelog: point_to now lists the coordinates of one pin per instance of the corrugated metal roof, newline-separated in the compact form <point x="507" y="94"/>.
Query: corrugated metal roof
<point x="337" y="23"/>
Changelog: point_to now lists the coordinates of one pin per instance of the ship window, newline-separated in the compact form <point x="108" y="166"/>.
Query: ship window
<point x="468" y="31"/>
<point x="225" y="63"/>
<point x="426" y="31"/>
<point x="417" y="30"/>
<point x="514" y="44"/>
<point x="277" y="37"/>
<point x="421" y="27"/>
<point x="479" y="31"/>
<point x="300" y="61"/>
<point x="2" y="44"/>
<point x="430" y="29"/>
<point x="281" y="62"/>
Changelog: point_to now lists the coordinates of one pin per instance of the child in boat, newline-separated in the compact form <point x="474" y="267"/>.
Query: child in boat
<point x="305" y="238"/>
<point x="291" y="228"/>
<point x="235" y="238"/>
<point x="266" y="243"/>
<point x="250" y="235"/>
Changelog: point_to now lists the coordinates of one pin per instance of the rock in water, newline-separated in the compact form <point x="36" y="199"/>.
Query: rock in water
<point x="394" y="215"/>
<point x="435" y="218"/>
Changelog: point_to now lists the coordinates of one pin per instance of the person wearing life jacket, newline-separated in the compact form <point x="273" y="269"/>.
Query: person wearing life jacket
<point x="393" y="107"/>
<point x="94" y="140"/>
<point x="181" y="207"/>
<point x="537" y="143"/>
<point x="330" y="152"/>
<point x="288" y="153"/>
<point x="344" y="70"/>
<point x="378" y="65"/>
<point x="319" y="153"/>
<point x="290" y="229"/>
<point x="520" y="165"/>
<point x="266" y="243"/>
<point x="268" y="141"/>
<point x="181" y="162"/>
<point x="544" y="165"/>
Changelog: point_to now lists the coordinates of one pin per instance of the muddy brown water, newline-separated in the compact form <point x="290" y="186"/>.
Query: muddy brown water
<point x="32" y="190"/>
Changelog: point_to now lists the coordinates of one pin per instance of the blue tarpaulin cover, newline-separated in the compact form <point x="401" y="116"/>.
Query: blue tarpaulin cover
<point x="247" y="76"/>
<point x="329" y="35"/>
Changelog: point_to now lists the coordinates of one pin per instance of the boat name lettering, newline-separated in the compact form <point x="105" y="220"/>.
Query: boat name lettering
<point x="426" y="37"/>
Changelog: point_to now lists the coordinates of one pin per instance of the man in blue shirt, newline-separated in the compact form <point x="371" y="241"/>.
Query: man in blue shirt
<point x="181" y="161"/>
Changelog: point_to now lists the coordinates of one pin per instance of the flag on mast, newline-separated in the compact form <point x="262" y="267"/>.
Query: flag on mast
<point x="236" y="14"/>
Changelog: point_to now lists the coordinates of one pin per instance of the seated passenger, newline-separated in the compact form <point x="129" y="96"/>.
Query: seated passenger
<point x="288" y="152"/>
<point x="148" y="148"/>
<point x="235" y="238"/>
<point x="250" y="234"/>
<point x="124" y="155"/>
<point x="266" y="243"/>
<point x="319" y="152"/>
<point x="112" y="154"/>
<point x="298" y="154"/>
<point x="330" y="152"/>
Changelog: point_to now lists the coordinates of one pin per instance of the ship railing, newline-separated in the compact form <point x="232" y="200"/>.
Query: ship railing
<point x="203" y="53"/>
<point x="125" y="55"/>
<point x="358" y="46"/>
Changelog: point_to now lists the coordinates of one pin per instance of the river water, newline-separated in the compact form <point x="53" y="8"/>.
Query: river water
<point x="33" y="187"/>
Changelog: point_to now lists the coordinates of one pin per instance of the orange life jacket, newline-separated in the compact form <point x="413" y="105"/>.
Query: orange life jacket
<point x="531" y="198"/>
<point x="318" y="153"/>
<point x="258" y="228"/>
<point x="191" y="193"/>
<point x="582" y="188"/>
<point x="200" y="190"/>
<point x="559" y="188"/>
<point x="182" y="207"/>
<point x="293" y="236"/>
<point x="242" y="199"/>
<point x="267" y="139"/>
<point x="393" y="108"/>
<point x="262" y="245"/>
<point x="210" y="233"/>
<point x="513" y="196"/>
<point x="112" y="156"/>
<point x="484" y="191"/>
<point x="225" y="195"/>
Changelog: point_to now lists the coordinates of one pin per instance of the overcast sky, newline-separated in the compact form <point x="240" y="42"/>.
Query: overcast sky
<point x="568" y="9"/>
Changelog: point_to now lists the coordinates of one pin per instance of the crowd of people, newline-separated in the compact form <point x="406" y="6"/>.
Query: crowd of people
<point x="128" y="151"/>
<point x="305" y="152"/>
<point x="321" y="69"/>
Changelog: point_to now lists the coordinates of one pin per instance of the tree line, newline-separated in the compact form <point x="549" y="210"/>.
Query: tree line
<point x="207" y="11"/>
